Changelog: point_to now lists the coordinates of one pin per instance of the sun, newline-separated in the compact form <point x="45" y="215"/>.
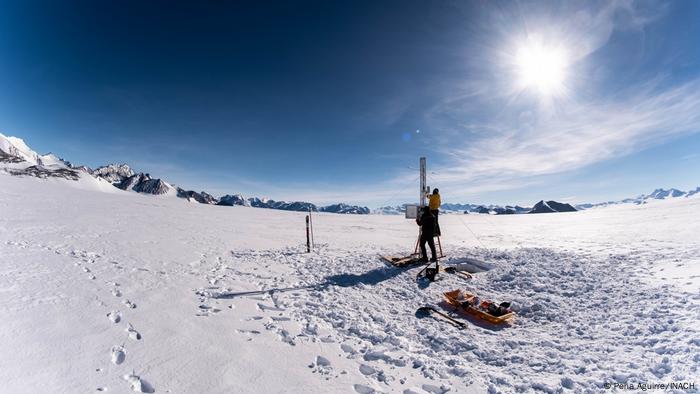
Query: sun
<point x="542" y="68"/>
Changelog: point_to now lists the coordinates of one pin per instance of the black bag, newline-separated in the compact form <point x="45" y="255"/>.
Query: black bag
<point x="430" y="273"/>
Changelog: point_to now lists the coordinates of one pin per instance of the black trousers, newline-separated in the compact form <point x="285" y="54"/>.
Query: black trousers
<point x="435" y="213"/>
<point x="431" y="243"/>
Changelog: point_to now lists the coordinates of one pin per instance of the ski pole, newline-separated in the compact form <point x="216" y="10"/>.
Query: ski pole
<point x="308" y="240"/>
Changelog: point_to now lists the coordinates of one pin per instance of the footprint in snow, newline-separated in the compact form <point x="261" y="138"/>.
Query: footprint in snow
<point x="118" y="355"/>
<point x="347" y="348"/>
<point x="247" y="331"/>
<point x="129" y="304"/>
<point x="321" y="365"/>
<point x="138" y="384"/>
<point x="322" y="361"/>
<point x="363" y="389"/>
<point x="431" y="388"/>
<point x="114" y="316"/>
<point x="367" y="370"/>
<point x="206" y="310"/>
<point x="133" y="334"/>
<point x="264" y="307"/>
<point x="285" y="337"/>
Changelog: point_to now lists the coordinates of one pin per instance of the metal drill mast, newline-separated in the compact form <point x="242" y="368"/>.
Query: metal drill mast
<point x="424" y="189"/>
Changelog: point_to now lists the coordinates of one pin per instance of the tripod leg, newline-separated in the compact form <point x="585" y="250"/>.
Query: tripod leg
<point x="415" y="250"/>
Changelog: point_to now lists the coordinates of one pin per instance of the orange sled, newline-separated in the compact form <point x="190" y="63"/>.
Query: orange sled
<point x="465" y="302"/>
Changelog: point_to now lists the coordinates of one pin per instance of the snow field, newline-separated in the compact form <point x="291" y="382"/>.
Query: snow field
<point x="120" y="292"/>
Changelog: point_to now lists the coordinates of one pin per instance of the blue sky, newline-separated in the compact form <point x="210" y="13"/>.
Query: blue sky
<point x="511" y="102"/>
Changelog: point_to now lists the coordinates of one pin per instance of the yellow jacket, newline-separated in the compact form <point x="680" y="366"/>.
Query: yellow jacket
<point x="434" y="202"/>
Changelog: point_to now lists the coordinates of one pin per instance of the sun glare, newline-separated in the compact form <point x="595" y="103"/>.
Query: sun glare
<point x="542" y="68"/>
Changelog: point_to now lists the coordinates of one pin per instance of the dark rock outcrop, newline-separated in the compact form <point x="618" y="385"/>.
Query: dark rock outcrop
<point x="114" y="173"/>
<point x="43" y="172"/>
<point x="504" y="211"/>
<point x="482" y="209"/>
<point x="202" y="197"/>
<point x="143" y="183"/>
<point x="9" y="158"/>
<point x="231" y="200"/>
<point x="551" y="207"/>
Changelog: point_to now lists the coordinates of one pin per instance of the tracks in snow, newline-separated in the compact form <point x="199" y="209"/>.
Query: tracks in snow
<point x="88" y="266"/>
<point x="622" y="328"/>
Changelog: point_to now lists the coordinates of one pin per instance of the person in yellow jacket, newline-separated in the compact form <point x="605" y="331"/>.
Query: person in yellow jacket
<point x="434" y="204"/>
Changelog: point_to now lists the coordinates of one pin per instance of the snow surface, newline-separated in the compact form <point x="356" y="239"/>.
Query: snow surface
<point x="122" y="292"/>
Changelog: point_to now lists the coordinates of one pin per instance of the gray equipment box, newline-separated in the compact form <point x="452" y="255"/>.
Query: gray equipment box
<point x="411" y="211"/>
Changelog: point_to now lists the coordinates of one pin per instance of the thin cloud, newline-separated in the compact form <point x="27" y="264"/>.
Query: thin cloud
<point x="491" y="139"/>
<point x="582" y="136"/>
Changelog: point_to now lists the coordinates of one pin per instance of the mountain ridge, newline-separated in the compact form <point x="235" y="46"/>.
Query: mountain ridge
<point x="20" y="160"/>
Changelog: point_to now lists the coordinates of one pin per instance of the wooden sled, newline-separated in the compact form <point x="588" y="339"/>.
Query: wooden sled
<point x="465" y="304"/>
<point x="401" y="261"/>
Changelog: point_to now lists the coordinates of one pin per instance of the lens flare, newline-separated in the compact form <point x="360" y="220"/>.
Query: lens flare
<point x="542" y="68"/>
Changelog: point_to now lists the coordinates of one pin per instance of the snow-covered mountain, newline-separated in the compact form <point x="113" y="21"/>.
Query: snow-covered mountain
<point x="16" y="158"/>
<point x="283" y="205"/>
<point x="15" y="147"/>
<point x="657" y="194"/>
<point x="660" y="194"/>
<point x="233" y="199"/>
<point x="458" y="208"/>
<point x="114" y="173"/>
<point x="345" y="208"/>
<point x="511" y="210"/>
<point x="390" y="210"/>
<point x="256" y="202"/>
<point x="542" y="206"/>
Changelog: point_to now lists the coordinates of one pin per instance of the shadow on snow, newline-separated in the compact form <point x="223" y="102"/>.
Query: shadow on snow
<point x="369" y="278"/>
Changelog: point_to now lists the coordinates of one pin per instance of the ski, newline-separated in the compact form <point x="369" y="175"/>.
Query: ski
<point x="402" y="261"/>
<point x="437" y="315"/>
<point x="455" y="271"/>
